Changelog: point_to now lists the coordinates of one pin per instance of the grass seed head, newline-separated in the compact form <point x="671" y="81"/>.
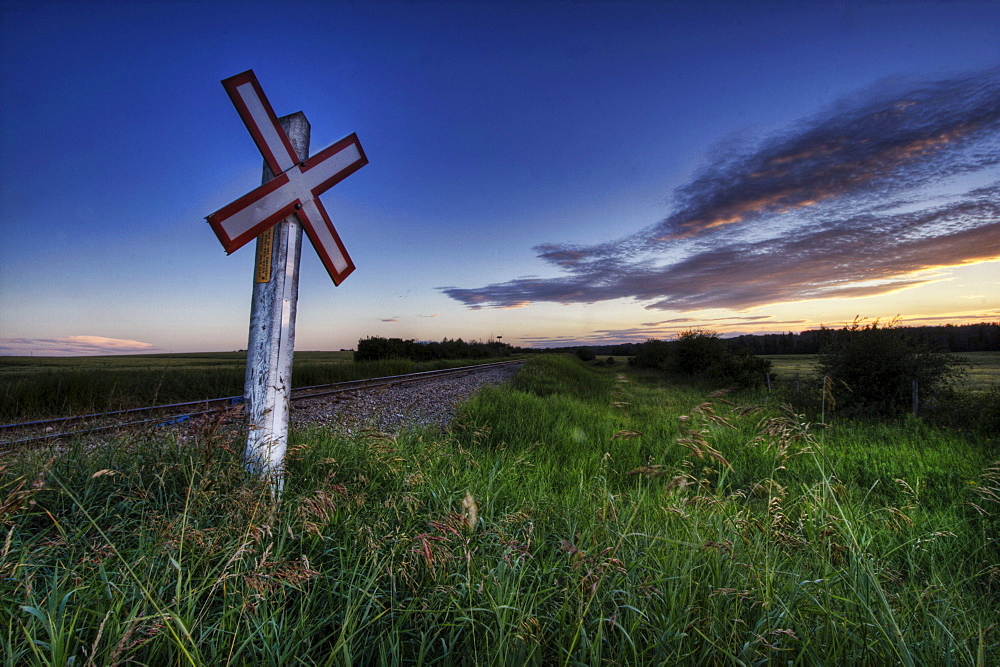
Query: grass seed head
<point x="471" y="511"/>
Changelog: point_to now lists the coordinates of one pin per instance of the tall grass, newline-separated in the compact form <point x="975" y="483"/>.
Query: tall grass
<point x="575" y="516"/>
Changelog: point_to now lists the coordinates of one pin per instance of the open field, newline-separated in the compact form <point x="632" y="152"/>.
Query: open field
<point x="580" y="515"/>
<point x="983" y="367"/>
<point x="790" y="364"/>
<point x="42" y="387"/>
<point x="153" y="362"/>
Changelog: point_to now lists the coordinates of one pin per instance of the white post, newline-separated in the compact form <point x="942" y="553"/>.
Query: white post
<point x="271" y="344"/>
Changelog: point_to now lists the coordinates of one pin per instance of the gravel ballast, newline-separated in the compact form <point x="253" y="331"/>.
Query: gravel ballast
<point x="428" y="403"/>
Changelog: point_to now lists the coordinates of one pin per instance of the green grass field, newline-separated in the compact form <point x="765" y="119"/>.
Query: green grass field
<point x="15" y="366"/>
<point x="579" y="515"/>
<point x="983" y="368"/>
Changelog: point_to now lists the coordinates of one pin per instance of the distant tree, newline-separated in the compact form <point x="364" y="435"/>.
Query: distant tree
<point x="586" y="353"/>
<point x="651" y="354"/>
<point x="701" y="353"/>
<point x="624" y="350"/>
<point x="875" y="366"/>
<point x="376" y="348"/>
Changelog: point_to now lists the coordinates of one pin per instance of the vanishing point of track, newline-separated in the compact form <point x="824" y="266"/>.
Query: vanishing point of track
<point x="29" y="433"/>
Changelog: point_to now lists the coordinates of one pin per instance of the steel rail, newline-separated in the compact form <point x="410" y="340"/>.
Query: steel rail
<point x="315" y="391"/>
<point x="234" y="400"/>
<point x="157" y="421"/>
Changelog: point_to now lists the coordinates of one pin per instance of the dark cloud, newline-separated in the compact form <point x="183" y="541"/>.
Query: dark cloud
<point x="863" y="199"/>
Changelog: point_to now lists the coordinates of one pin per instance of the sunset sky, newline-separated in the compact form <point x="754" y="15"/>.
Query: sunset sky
<point x="554" y="173"/>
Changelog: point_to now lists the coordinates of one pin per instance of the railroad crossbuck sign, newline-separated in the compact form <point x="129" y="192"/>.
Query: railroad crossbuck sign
<point x="296" y="187"/>
<point x="276" y="214"/>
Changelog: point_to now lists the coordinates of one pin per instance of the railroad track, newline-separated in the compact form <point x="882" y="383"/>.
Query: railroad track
<point x="17" y="435"/>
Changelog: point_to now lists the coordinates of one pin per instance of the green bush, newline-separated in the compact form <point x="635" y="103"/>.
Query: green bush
<point x="586" y="353"/>
<point x="651" y="354"/>
<point x="967" y="410"/>
<point x="873" y="368"/>
<point x="699" y="352"/>
<point x="702" y="354"/>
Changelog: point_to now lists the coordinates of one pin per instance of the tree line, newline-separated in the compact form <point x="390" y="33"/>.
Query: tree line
<point x="982" y="337"/>
<point x="376" y="348"/>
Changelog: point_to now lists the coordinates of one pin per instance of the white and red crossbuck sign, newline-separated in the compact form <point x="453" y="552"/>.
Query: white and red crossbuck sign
<point x="296" y="187"/>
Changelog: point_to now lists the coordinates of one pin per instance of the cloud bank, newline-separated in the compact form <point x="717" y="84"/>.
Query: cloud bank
<point x="72" y="346"/>
<point x="867" y="197"/>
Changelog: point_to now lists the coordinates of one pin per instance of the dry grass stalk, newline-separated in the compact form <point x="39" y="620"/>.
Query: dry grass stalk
<point x="988" y="487"/>
<point x="649" y="471"/>
<point x="320" y="509"/>
<point x="471" y="516"/>
<point x="18" y="497"/>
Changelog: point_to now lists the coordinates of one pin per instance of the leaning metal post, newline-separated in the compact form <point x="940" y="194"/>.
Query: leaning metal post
<point x="271" y="344"/>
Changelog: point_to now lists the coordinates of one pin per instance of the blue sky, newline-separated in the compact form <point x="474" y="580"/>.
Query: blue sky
<point x="551" y="172"/>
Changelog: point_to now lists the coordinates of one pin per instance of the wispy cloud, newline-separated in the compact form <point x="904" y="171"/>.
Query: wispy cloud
<point x="868" y="197"/>
<point x="716" y="321"/>
<point x="72" y="346"/>
<point x="728" y="326"/>
<point x="389" y="319"/>
<point x="967" y="317"/>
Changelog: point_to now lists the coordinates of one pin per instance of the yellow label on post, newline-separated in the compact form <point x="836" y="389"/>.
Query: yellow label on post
<point x="265" y="245"/>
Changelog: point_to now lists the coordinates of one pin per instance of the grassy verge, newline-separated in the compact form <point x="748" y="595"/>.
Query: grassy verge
<point x="579" y="515"/>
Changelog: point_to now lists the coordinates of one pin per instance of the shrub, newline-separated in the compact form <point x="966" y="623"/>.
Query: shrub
<point x="967" y="410"/>
<point x="873" y="368"/>
<point x="743" y="368"/>
<point x="651" y="354"/>
<point x="701" y="353"/>
<point x="586" y="353"/>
